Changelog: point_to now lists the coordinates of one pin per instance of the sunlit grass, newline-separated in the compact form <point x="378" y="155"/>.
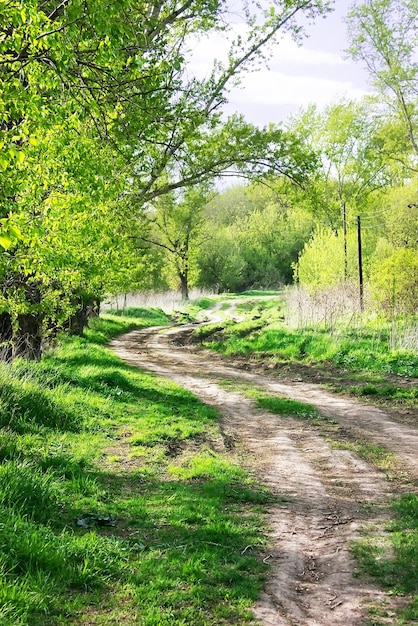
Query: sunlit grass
<point x="84" y="434"/>
<point x="360" y="351"/>
<point x="314" y="346"/>
<point x="392" y="559"/>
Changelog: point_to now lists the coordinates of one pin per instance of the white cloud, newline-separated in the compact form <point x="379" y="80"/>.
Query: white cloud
<point x="286" y="51"/>
<point x="294" y="77"/>
<point x="273" y="87"/>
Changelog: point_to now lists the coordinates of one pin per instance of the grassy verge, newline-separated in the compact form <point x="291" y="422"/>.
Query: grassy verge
<point x="115" y="508"/>
<point x="392" y="559"/>
<point x="361" y="353"/>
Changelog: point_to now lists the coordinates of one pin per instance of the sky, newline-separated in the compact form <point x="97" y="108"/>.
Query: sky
<point x="296" y="75"/>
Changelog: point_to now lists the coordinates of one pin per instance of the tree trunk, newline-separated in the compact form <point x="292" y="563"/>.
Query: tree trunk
<point x="78" y="321"/>
<point x="184" y="283"/>
<point x="6" y="335"/>
<point x="22" y="336"/>
<point x="28" y="342"/>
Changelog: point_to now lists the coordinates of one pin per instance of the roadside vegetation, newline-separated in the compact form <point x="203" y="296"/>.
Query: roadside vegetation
<point x="118" y="503"/>
<point x="353" y="356"/>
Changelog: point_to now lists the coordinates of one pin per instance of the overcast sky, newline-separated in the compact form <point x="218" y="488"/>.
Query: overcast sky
<point x="296" y="76"/>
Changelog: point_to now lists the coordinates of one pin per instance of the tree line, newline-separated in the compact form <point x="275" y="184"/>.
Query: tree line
<point x="362" y="191"/>
<point x="99" y="118"/>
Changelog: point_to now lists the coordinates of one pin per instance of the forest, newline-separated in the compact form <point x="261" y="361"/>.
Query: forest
<point x="112" y="153"/>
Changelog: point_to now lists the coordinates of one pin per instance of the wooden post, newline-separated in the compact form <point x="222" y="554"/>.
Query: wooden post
<point x="360" y="265"/>
<point x="344" y="212"/>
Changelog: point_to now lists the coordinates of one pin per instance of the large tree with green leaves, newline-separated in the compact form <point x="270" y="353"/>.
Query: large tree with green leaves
<point x="99" y="118"/>
<point x="384" y="38"/>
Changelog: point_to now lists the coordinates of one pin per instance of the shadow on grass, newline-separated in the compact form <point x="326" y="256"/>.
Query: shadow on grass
<point x="25" y="408"/>
<point x="178" y="546"/>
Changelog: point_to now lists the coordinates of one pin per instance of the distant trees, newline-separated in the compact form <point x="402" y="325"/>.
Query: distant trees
<point x="257" y="246"/>
<point x="369" y="162"/>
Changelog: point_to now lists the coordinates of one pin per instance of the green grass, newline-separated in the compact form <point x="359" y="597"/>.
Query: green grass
<point x="287" y="407"/>
<point x="155" y="316"/>
<point x="362" y="351"/>
<point x="259" y="292"/>
<point x="316" y="346"/>
<point x="392" y="559"/>
<point x="385" y="391"/>
<point x="355" y="348"/>
<point x="83" y="433"/>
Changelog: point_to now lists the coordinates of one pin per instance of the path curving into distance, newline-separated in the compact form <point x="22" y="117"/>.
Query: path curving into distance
<point x="326" y="495"/>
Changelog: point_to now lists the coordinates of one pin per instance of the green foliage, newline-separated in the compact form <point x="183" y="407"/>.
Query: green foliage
<point x="178" y="225"/>
<point x="392" y="560"/>
<point x="220" y="262"/>
<point x="401" y="216"/>
<point x="28" y="490"/>
<point x="203" y="303"/>
<point x="394" y="282"/>
<point x="252" y="243"/>
<point x="351" y="168"/>
<point x="183" y="514"/>
<point x="321" y="263"/>
<point x="383" y="37"/>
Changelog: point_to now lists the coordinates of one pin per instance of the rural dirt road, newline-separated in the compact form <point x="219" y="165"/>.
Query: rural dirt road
<point x="328" y="496"/>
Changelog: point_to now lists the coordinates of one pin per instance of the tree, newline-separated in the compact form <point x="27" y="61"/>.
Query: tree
<point x="352" y="168"/>
<point x="384" y="37"/>
<point x="394" y="282"/>
<point x="107" y="84"/>
<point x="178" y="230"/>
<point x="321" y="262"/>
<point x="400" y="206"/>
<point x="220" y="260"/>
<point x="257" y="248"/>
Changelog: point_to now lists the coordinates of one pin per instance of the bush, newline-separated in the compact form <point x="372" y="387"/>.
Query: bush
<point x="394" y="282"/>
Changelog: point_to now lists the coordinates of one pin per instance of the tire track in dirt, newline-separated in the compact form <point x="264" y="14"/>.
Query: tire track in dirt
<point x="325" y="496"/>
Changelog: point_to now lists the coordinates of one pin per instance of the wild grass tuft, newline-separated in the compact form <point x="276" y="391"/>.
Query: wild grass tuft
<point x="286" y="406"/>
<point x="392" y="560"/>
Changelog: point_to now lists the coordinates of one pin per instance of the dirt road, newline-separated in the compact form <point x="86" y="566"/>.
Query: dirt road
<point x="327" y="496"/>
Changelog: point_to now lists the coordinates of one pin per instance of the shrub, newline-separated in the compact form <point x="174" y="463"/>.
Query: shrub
<point x="394" y="282"/>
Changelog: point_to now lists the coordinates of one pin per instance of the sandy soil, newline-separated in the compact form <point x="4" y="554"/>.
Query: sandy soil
<point x="327" y="496"/>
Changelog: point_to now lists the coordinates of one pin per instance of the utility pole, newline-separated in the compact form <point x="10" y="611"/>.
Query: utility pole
<point x="360" y="265"/>
<point x="344" y="212"/>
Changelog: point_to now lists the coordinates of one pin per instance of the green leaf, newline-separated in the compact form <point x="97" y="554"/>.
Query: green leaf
<point x="15" y="232"/>
<point x="5" y="242"/>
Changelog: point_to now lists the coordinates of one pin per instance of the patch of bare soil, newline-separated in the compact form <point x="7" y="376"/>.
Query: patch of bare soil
<point x="327" y="497"/>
